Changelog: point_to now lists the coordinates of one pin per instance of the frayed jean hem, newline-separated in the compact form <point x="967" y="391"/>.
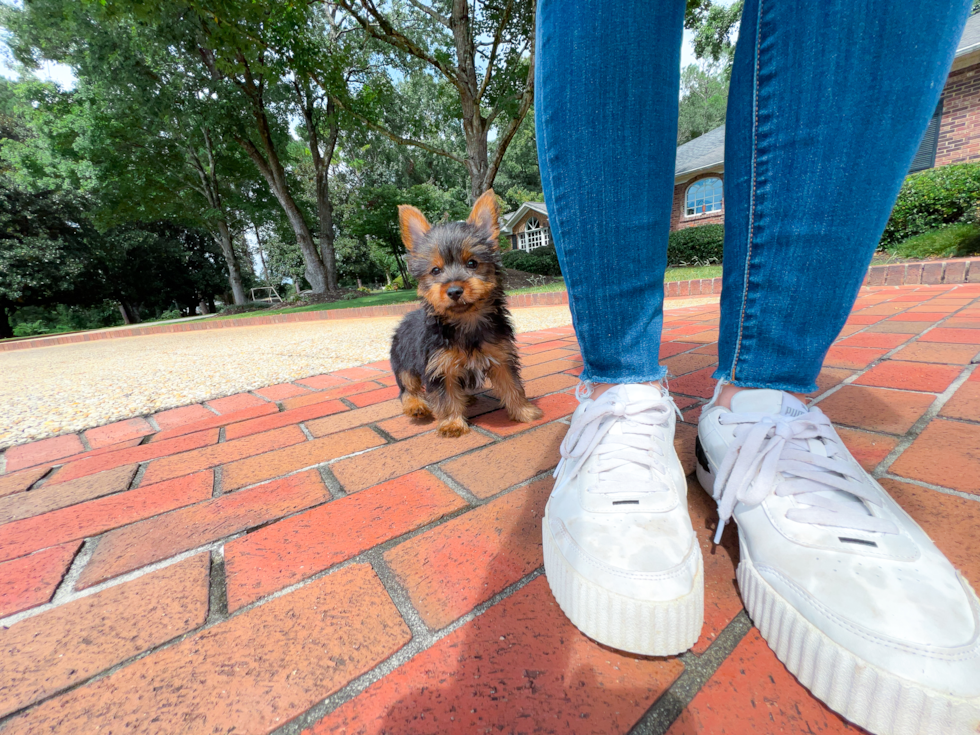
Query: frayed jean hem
<point x="660" y="374"/>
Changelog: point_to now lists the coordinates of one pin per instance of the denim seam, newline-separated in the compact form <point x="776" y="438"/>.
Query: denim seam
<point x="755" y="157"/>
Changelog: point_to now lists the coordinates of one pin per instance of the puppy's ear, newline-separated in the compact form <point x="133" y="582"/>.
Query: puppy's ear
<point x="413" y="224"/>
<point x="486" y="216"/>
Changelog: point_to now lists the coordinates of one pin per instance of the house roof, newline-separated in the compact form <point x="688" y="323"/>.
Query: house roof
<point x="970" y="40"/>
<point x="512" y="219"/>
<point x="704" y="152"/>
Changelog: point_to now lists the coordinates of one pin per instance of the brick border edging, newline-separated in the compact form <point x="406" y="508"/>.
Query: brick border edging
<point x="518" y="301"/>
<point x="926" y="273"/>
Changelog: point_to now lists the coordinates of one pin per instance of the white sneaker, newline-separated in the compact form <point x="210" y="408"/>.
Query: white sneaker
<point x="620" y="553"/>
<point x="844" y="586"/>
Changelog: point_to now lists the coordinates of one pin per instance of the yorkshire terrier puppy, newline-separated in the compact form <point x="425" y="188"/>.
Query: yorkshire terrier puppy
<point x="462" y="334"/>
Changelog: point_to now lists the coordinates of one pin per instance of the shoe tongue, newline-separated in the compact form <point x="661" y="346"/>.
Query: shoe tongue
<point x="766" y="400"/>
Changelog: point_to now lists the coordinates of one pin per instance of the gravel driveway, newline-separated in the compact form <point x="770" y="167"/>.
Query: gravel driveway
<point x="52" y="390"/>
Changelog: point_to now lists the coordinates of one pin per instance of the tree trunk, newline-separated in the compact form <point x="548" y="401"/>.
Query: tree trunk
<point x="321" y="168"/>
<point x="265" y="268"/>
<point x="6" y="330"/>
<point x="129" y="313"/>
<point x="209" y="188"/>
<point x="234" y="272"/>
<point x="271" y="168"/>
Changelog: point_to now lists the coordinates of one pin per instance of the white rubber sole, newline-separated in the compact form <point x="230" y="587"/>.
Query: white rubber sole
<point x="638" y="626"/>
<point x="864" y="694"/>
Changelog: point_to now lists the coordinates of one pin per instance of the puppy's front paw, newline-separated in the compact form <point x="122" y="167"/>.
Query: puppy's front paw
<point x="525" y="414"/>
<point x="453" y="427"/>
<point x="415" y="407"/>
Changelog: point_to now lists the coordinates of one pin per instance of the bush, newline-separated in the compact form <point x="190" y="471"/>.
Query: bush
<point x="955" y="241"/>
<point x="702" y="245"/>
<point x="541" y="261"/>
<point x="932" y="198"/>
<point x="350" y="296"/>
<point x="30" y="329"/>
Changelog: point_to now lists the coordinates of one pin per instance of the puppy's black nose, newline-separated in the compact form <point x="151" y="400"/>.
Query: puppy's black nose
<point x="454" y="292"/>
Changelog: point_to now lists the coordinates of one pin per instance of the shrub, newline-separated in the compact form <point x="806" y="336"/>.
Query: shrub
<point x="542" y="261"/>
<point x="350" y="296"/>
<point x="702" y="245"/>
<point x="30" y="329"/>
<point x="932" y="198"/>
<point x="955" y="241"/>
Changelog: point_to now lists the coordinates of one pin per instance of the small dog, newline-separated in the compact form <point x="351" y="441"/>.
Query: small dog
<point x="462" y="334"/>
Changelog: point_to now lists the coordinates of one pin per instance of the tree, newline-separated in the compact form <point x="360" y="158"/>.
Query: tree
<point x="487" y="58"/>
<point x="715" y="27"/>
<point x="45" y="252"/>
<point x="704" y="101"/>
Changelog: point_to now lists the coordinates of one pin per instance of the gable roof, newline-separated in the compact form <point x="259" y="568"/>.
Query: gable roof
<point x="512" y="219"/>
<point x="970" y="40"/>
<point x="704" y="152"/>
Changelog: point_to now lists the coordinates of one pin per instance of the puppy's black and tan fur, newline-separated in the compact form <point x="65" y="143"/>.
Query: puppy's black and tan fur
<point x="462" y="333"/>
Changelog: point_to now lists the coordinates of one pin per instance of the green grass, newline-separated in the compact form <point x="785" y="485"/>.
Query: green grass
<point x="378" y="299"/>
<point x="946" y="242"/>
<point x="399" y="297"/>
<point x="692" y="273"/>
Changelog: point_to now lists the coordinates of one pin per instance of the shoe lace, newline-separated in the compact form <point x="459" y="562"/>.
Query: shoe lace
<point x="766" y="446"/>
<point x="628" y="455"/>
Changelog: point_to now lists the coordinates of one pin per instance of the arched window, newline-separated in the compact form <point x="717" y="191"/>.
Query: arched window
<point x="703" y="196"/>
<point x="534" y="235"/>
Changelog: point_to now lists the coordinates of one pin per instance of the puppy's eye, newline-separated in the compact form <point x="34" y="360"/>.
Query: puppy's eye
<point x="436" y="271"/>
<point x="471" y="264"/>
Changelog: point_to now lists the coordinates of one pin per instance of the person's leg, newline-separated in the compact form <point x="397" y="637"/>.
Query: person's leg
<point x="828" y="103"/>
<point x="606" y="90"/>
<point x="606" y="111"/>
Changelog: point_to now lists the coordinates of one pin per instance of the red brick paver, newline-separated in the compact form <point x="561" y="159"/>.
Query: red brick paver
<point x="228" y="570"/>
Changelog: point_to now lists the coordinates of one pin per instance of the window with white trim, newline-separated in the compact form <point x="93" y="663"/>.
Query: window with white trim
<point x="703" y="196"/>
<point x="534" y="235"/>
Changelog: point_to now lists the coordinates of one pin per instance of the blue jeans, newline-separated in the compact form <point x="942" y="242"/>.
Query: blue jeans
<point x="828" y="102"/>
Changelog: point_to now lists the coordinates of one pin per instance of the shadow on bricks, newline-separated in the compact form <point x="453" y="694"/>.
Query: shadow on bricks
<point x="520" y="661"/>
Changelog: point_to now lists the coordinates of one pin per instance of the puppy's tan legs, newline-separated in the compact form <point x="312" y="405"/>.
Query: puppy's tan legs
<point x="413" y="397"/>
<point x="449" y="402"/>
<point x="509" y="389"/>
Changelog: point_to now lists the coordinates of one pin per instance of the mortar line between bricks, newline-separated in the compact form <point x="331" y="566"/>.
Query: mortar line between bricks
<point x="217" y="488"/>
<point x="919" y="426"/>
<point x="399" y="596"/>
<point x="306" y="432"/>
<point x="347" y="403"/>
<point x="83" y="440"/>
<point x="217" y="587"/>
<point x="389" y="439"/>
<point x="222" y="436"/>
<point x="332" y="483"/>
<point x="697" y="671"/>
<point x="455" y="486"/>
<point x="138" y="476"/>
<point x="398" y="659"/>
<point x="67" y="586"/>
<point x="39" y="482"/>
<point x="3" y="462"/>
<point x="931" y="486"/>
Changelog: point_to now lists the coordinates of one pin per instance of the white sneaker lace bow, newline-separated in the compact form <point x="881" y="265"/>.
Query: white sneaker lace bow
<point x="626" y="457"/>
<point x="766" y="445"/>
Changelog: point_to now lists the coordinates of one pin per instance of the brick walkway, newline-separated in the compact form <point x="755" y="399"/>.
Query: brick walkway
<point x="304" y="559"/>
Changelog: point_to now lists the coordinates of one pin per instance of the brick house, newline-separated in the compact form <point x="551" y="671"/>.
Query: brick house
<point x="953" y="136"/>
